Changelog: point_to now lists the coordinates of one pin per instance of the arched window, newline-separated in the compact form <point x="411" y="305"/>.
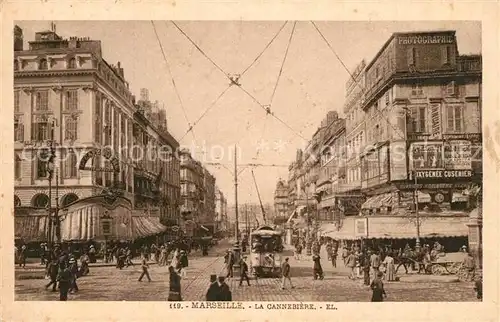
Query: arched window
<point x="72" y="63"/>
<point x="40" y="200"/>
<point x="16" y="65"/>
<point x="68" y="199"/>
<point x="17" y="167"/>
<point x="42" y="65"/>
<point x="70" y="164"/>
<point x="17" y="201"/>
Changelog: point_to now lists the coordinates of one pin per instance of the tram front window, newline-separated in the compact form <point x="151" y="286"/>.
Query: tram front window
<point x="266" y="244"/>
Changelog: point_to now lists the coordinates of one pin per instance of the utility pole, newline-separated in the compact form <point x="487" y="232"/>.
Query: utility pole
<point x="236" y="248"/>
<point x="246" y="219"/>
<point x="308" y="232"/>
<point x="417" y="215"/>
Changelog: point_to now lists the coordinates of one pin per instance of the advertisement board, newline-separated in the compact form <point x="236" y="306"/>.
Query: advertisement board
<point x="397" y="161"/>
<point x="426" y="155"/>
<point x="458" y="155"/>
<point x="361" y="227"/>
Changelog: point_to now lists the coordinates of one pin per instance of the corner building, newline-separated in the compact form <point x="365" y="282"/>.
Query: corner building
<point x="420" y="108"/>
<point x="65" y="92"/>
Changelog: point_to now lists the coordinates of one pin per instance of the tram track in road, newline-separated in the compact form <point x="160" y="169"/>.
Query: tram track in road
<point x="203" y="272"/>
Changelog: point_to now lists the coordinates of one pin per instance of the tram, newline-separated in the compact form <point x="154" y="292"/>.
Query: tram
<point x="265" y="252"/>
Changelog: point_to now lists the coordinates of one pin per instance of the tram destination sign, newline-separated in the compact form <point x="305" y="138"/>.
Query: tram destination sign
<point x="442" y="174"/>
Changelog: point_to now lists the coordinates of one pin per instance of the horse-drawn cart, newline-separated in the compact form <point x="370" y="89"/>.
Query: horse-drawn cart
<point x="447" y="263"/>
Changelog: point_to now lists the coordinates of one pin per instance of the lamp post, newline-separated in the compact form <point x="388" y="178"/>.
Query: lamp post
<point x="417" y="215"/>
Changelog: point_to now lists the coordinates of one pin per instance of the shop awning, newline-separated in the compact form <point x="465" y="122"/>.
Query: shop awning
<point x="423" y="197"/>
<point x="31" y="228"/>
<point x="390" y="227"/>
<point x="373" y="202"/>
<point x="327" y="228"/>
<point x="345" y="232"/>
<point x="143" y="227"/>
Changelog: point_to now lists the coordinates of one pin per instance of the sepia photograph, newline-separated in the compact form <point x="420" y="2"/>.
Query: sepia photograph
<point x="234" y="161"/>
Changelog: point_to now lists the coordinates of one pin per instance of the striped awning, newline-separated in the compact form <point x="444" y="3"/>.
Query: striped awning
<point x="345" y="231"/>
<point x="143" y="226"/>
<point x="391" y="227"/>
<point x="32" y="227"/>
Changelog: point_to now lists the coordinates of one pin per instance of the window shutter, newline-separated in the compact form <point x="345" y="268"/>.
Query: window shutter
<point x="411" y="56"/>
<point x="445" y="55"/>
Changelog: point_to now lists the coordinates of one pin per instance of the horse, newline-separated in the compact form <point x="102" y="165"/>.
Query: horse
<point x="409" y="258"/>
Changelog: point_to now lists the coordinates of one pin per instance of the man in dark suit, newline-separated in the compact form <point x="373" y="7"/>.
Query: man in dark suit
<point x="214" y="289"/>
<point x="244" y="271"/>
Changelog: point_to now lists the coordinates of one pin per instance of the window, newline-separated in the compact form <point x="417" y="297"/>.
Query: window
<point x="71" y="127"/>
<point x="455" y="118"/>
<point x="18" y="129"/>
<point x="446" y="53"/>
<point x="68" y="199"/>
<point x="72" y="100"/>
<point x="419" y="119"/>
<point x="40" y="200"/>
<point x="70" y="164"/>
<point x="16" y="64"/>
<point x="41" y="164"/>
<point x="416" y="90"/>
<point x="412" y="56"/>
<point x="40" y="129"/>
<point x="387" y="99"/>
<point x="72" y="63"/>
<point x="42" y="100"/>
<point x="98" y="119"/>
<point x="16" y="101"/>
<point x="17" y="167"/>
<point x="451" y="89"/>
<point x="42" y="64"/>
<point x="17" y="201"/>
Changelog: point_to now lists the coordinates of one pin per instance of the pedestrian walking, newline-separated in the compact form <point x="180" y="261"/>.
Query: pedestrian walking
<point x="377" y="286"/>
<point x="374" y="264"/>
<point x="225" y="293"/>
<point x="345" y="253"/>
<point x="22" y="256"/>
<point x="73" y="267"/>
<point x="145" y="267"/>
<point x="390" y="269"/>
<point x="52" y="271"/>
<point x="285" y="271"/>
<point x="298" y="252"/>
<point x="64" y="279"/>
<point x="183" y="264"/>
<point x="317" y="269"/>
<point x="244" y="271"/>
<point x="470" y="266"/>
<point x="351" y="264"/>
<point x="174" y="293"/>
<point x="213" y="290"/>
<point x="229" y="261"/>
<point x="366" y="268"/>
<point x="334" y="258"/>
<point x="478" y="287"/>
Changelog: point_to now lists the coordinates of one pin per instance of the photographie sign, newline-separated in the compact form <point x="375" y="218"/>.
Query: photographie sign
<point x="458" y="155"/>
<point x="426" y="39"/>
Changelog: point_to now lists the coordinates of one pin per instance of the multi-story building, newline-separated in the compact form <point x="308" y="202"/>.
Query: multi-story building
<point x="192" y="191"/>
<point x="421" y="106"/>
<point x="70" y="102"/>
<point x="281" y="199"/>
<point x="208" y="219"/>
<point x="220" y="211"/>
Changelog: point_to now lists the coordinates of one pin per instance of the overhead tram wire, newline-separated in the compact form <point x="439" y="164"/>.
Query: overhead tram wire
<point x="190" y="127"/>
<point x="283" y="63"/>
<point x="231" y="84"/>
<point x="354" y="79"/>
<point x="239" y="85"/>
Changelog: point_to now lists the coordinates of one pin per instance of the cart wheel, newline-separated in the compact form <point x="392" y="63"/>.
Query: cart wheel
<point x="462" y="274"/>
<point x="437" y="269"/>
<point x="453" y="268"/>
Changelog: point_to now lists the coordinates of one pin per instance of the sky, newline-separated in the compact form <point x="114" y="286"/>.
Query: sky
<point x="312" y="82"/>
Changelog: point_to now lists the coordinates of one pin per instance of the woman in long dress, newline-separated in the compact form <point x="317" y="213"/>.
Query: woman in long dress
<point x="174" y="293"/>
<point x="390" y="270"/>
<point x="377" y="286"/>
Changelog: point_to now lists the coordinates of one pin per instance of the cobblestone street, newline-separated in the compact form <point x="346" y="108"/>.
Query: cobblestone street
<point x="110" y="284"/>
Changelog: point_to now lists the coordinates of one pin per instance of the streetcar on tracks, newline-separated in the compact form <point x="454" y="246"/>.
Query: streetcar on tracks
<point x="266" y="246"/>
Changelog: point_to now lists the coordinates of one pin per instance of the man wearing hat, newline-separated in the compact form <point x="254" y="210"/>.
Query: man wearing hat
<point x="214" y="289"/>
<point x="244" y="271"/>
<point x="73" y="268"/>
<point x="229" y="261"/>
<point x="285" y="271"/>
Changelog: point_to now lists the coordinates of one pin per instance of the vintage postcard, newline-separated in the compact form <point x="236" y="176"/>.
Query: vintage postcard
<point x="167" y="162"/>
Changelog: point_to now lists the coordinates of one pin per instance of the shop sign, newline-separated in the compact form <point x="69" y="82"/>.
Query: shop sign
<point x="442" y="174"/>
<point x="107" y="154"/>
<point x="426" y="40"/>
<point x="361" y="227"/>
<point x="475" y="137"/>
<point x="431" y="186"/>
<point x="426" y="155"/>
<point x="106" y="227"/>
<point x="458" y="155"/>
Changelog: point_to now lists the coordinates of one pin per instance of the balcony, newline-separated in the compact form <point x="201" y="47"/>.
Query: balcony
<point x="469" y="64"/>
